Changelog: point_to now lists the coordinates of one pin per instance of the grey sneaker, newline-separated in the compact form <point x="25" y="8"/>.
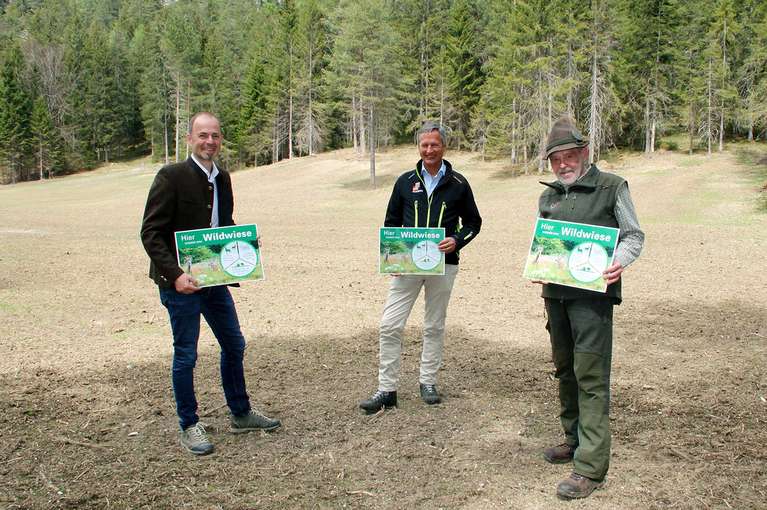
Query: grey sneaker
<point x="429" y="394"/>
<point x="252" y="421"/>
<point x="195" y="440"/>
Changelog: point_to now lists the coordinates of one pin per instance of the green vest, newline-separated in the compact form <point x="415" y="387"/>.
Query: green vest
<point x="589" y="200"/>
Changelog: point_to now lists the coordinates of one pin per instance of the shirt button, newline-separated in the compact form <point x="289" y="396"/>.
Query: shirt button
<point x="210" y="188"/>
<point x="210" y="206"/>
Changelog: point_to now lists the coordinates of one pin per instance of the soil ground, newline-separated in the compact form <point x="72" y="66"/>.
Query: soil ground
<point x="88" y="419"/>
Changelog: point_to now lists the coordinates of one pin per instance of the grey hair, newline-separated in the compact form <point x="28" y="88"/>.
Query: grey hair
<point x="430" y="126"/>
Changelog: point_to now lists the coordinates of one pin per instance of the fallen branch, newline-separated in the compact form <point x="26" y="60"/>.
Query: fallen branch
<point x="358" y="493"/>
<point x="79" y="443"/>
<point x="49" y="483"/>
<point x="208" y="413"/>
<point x="378" y="414"/>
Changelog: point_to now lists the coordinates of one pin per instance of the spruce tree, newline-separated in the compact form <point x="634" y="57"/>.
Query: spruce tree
<point x="15" y="117"/>
<point x="647" y="62"/>
<point x="253" y="133"/>
<point x="752" y="73"/>
<point x="367" y="69"/>
<point x="466" y="76"/>
<point x="46" y="145"/>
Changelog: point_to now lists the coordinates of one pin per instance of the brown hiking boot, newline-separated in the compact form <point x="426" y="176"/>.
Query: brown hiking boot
<point x="560" y="454"/>
<point x="577" y="486"/>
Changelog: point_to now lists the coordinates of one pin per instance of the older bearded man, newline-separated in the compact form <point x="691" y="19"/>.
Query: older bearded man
<point x="580" y="321"/>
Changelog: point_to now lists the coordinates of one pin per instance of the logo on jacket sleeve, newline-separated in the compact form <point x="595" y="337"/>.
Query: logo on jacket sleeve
<point x="417" y="187"/>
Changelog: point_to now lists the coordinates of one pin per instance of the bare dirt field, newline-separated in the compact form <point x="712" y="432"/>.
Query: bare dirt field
<point x="86" y="409"/>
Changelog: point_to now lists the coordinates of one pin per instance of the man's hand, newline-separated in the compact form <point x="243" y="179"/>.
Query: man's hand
<point x="447" y="245"/>
<point x="185" y="284"/>
<point x="613" y="273"/>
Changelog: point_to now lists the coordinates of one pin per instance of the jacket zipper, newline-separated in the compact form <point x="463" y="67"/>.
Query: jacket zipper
<point x="441" y="212"/>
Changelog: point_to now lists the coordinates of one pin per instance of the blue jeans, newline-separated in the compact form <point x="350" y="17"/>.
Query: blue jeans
<point x="217" y="306"/>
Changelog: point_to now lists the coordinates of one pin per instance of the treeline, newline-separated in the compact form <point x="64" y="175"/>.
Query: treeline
<point x="87" y="81"/>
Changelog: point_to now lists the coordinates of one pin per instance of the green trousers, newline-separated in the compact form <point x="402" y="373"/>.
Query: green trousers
<point x="581" y="332"/>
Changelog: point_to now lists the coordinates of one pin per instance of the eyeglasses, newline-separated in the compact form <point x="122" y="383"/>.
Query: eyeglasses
<point x="566" y="157"/>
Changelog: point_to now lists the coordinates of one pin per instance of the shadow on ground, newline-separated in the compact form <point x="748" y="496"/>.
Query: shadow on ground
<point x="685" y="407"/>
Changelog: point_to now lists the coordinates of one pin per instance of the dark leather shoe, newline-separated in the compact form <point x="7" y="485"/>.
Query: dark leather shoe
<point x="560" y="454"/>
<point x="429" y="394"/>
<point x="379" y="400"/>
<point x="577" y="486"/>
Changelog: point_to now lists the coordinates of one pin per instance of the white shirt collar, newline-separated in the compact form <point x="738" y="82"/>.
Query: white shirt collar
<point x="213" y="171"/>
<point x="439" y="173"/>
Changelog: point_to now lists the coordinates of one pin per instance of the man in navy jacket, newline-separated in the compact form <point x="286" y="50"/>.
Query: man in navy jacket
<point x="432" y="195"/>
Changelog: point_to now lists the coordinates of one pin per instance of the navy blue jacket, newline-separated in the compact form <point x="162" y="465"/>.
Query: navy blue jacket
<point x="451" y="205"/>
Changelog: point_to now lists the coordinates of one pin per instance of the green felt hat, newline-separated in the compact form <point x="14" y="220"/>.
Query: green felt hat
<point x="564" y="135"/>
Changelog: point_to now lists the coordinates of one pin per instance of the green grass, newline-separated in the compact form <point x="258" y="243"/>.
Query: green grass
<point x="8" y="307"/>
<point x="406" y="266"/>
<point x="551" y="271"/>
<point x="754" y="156"/>
<point x="205" y="275"/>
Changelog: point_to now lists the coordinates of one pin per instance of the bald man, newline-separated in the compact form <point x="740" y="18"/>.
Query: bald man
<point x="191" y="195"/>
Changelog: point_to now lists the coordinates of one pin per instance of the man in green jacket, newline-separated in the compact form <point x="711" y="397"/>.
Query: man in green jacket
<point x="580" y="322"/>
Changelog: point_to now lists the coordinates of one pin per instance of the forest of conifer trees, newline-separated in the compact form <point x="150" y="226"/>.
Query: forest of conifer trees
<point x="89" y="81"/>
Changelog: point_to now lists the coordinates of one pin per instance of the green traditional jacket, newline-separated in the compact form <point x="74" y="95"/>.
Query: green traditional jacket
<point x="591" y="200"/>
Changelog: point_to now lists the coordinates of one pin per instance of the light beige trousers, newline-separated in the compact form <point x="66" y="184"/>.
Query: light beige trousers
<point x="403" y="292"/>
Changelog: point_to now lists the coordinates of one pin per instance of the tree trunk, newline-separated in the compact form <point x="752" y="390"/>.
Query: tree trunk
<point x="724" y="78"/>
<point x="653" y="126"/>
<point x="275" y="141"/>
<point x="422" y="100"/>
<point x="311" y="104"/>
<point x="41" y="160"/>
<point x="290" y="125"/>
<point x="361" y="126"/>
<point x="524" y="148"/>
<point x="709" y="110"/>
<point x="542" y="132"/>
<point x="514" y="132"/>
<point x="188" y="113"/>
<point x="442" y="100"/>
<point x="594" y="138"/>
<point x="691" y="126"/>
<point x="570" y="76"/>
<point x="354" y="125"/>
<point x="721" y="126"/>
<point x="178" y="112"/>
<point x="165" y="138"/>
<point x="372" y="137"/>
<point x="647" y="123"/>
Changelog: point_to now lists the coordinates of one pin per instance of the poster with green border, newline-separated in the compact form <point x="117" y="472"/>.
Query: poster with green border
<point x="220" y="256"/>
<point x="414" y="251"/>
<point x="571" y="254"/>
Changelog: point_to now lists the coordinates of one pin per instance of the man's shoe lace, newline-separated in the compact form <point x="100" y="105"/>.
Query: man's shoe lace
<point x="197" y="434"/>
<point x="379" y="395"/>
<point x="430" y="388"/>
